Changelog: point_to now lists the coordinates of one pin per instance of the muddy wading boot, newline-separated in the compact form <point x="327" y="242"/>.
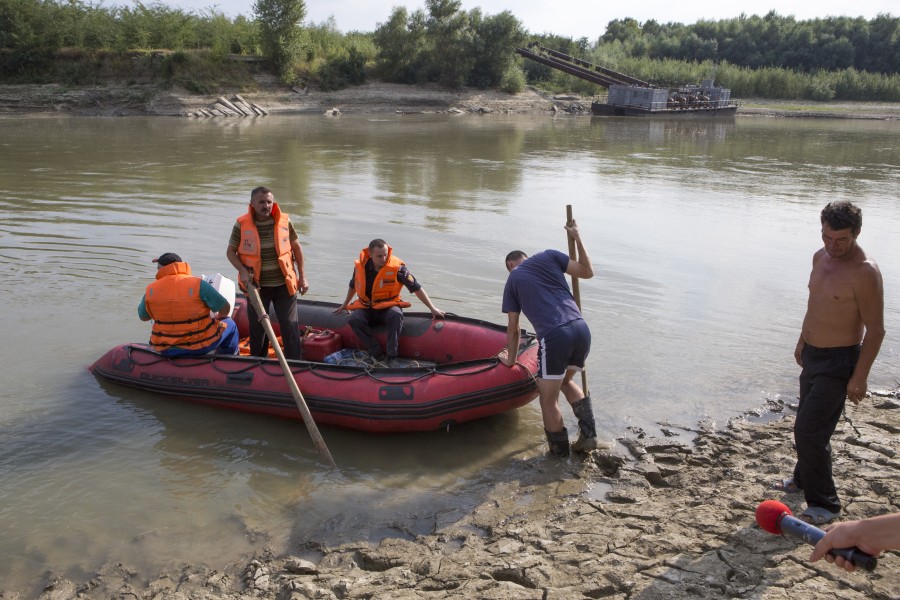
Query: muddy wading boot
<point x="559" y="442"/>
<point x="587" y="430"/>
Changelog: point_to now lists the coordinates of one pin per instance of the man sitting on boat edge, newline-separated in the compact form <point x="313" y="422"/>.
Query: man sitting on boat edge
<point x="180" y="305"/>
<point x="378" y="278"/>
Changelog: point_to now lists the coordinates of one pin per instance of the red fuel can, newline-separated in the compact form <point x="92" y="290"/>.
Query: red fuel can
<point x="319" y="345"/>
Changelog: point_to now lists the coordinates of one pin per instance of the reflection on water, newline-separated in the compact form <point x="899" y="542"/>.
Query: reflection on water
<point x="701" y="233"/>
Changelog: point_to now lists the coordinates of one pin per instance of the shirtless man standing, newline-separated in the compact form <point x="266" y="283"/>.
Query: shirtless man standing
<point x="842" y="333"/>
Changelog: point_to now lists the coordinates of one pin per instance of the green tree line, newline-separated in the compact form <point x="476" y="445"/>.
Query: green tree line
<point x="32" y="27"/>
<point x="771" y="41"/>
<point x="33" y="33"/>
<point x="769" y="56"/>
<point x="744" y="81"/>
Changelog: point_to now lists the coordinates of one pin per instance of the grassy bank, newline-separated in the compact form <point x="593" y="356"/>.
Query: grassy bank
<point x="833" y="109"/>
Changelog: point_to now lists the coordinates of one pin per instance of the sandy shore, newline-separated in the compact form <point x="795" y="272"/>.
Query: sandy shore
<point x="663" y="520"/>
<point x="374" y="97"/>
<point x="113" y="100"/>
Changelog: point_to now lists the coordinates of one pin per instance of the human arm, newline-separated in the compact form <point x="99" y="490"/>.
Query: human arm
<point x="870" y="299"/>
<point x="801" y="341"/>
<point x="298" y="258"/>
<point x="869" y="535"/>
<point x="581" y="267"/>
<point x="244" y="277"/>
<point x="351" y="291"/>
<point x="509" y="354"/>
<point x="412" y="285"/>
<point x="143" y="315"/>
<point x="436" y="313"/>
<point x="231" y="253"/>
<point x="214" y="300"/>
<point x="798" y="350"/>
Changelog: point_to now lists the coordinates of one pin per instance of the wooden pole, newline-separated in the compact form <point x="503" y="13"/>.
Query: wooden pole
<point x="292" y="383"/>
<point x="576" y="292"/>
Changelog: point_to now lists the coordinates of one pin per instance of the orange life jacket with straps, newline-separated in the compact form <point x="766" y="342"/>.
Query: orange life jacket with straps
<point x="180" y="317"/>
<point x="249" y="250"/>
<point x="385" y="289"/>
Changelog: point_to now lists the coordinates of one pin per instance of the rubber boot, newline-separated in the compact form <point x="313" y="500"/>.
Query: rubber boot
<point x="587" y="429"/>
<point x="559" y="442"/>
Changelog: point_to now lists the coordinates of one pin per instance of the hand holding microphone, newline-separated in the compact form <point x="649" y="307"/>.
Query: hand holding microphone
<point x="775" y="517"/>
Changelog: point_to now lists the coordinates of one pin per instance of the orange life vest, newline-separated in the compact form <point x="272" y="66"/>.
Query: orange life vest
<point x="385" y="289"/>
<point x="180" y="317"/>
<point x="249" y="250"/>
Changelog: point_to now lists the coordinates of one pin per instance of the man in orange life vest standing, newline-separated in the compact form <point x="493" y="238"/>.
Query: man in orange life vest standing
<point x="180" y="304"/>
<point x="378" y="278"/>
<point x="264" y="248"/>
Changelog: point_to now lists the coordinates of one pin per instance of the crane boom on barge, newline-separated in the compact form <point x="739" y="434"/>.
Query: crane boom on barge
<point x="629" y="96"/>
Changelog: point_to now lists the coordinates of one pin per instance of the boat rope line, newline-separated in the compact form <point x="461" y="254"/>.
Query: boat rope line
<point x="215" y="361"/>
<point x="426" y="372"/>
<point x="356" y="375"/>
<point x="270" y="369"/>
<point x="396" y="381"/>
<point x="158" y="358"/>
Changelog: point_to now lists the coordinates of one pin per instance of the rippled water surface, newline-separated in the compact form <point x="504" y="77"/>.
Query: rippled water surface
<point x="701" y="234"/>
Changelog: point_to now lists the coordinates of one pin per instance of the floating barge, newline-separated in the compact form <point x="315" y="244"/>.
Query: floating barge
<point x="629" y="96"/>
<point x="706" y="100"/>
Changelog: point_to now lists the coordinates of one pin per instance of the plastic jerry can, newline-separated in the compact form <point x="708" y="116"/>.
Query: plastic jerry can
<point x="319" y="345"/>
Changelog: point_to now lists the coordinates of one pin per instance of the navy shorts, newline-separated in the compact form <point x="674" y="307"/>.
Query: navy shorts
<point x="564" y="348"/>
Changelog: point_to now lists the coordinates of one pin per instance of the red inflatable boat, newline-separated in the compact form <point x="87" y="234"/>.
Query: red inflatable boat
<point x="448" y="374"/>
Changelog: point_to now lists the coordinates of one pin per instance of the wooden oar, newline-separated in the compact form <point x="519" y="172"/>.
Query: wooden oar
<point x="575" y="291"/>
<point x="295" y="389"/>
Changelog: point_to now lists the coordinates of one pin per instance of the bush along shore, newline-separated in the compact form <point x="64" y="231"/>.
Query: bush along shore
<point x="653" y="518"/>
<point x="269" y="97"/>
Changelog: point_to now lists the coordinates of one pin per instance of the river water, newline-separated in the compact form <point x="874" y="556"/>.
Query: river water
<point x="701" y="234"/>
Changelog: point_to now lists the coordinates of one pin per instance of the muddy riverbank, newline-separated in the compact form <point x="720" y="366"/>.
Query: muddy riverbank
<point x="666" y="518"/>
<point x="373" y="97"/>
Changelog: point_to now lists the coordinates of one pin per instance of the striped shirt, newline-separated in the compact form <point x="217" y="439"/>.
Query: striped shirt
<point x="271" y="275"/>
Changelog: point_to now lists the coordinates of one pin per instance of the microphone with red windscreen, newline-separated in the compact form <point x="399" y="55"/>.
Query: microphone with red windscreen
<point x="775" y="517"/>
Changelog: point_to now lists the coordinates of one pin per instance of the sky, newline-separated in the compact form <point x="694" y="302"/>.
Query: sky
<point x="582" y="18"/>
